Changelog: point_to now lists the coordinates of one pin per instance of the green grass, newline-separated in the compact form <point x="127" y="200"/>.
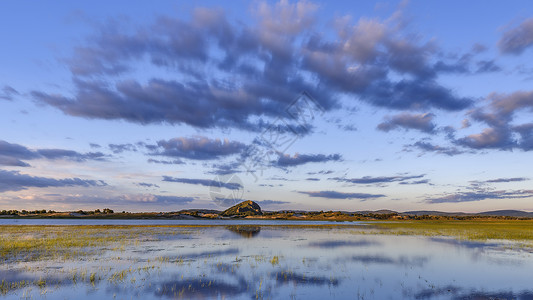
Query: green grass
<point x="512" y="230"/>
<point x="30" y="243"/>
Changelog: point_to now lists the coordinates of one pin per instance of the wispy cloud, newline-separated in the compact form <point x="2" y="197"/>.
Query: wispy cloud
<point x="15" y="181"/>
<point x="286" y="160"/>
<point x="15" y="154"/>
<point x="198" y="148"/>
<point x="205" y="182"/>
<point x="421" y="122"/>
<point x="377" y="180"/>
<point x="341" y="195"/>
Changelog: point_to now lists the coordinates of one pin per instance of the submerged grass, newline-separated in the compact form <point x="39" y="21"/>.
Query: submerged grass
<point x="30" y="243"/>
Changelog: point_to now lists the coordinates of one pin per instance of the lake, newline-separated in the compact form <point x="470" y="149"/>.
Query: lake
<point x="253" y="260"/>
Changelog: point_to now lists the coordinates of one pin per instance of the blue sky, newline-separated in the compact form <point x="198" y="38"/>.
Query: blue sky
<point x="420" y="105"/>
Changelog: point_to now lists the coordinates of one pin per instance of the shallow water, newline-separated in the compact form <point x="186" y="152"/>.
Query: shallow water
<point x="11" y="221"/>
<point x="281" y="262"/>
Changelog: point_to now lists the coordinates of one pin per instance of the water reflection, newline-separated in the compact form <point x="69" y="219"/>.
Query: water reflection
<point x="285" y="277"/>
<point x="246" y="231"/>
<point x="381" y="259"/>
<point x="200" y="288"/>
<point x="274" y="262"/>
<point x="337" y="243"/>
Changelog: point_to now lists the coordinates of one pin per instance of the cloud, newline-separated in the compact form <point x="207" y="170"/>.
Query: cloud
<point x="480" y="195"/>
<point x="147" y="185"/>
<point x="15" y="181"/>
<point x="7" y="93"/>
<point x="487" y="66"/>
<point x="125" y="200"/>
<point x="271" y="202"/>
<point x="340" y="195"/>
<point x="499" y="115"/>
<point x="514" y="179"/>
<point x="429" y="147"/>
<point x="119" y="148"/>
<point x="198" y="148"/>
<point x="285" y="160"/>
<point x="12" y="162"/>
<point x="516" y="40"/>
<point x="70" y="155"/>
<point x="205" y="182"/>
<point x="225" y="169"/>
<point x="424" y="181"/>
<point x="256" y="70"/>
<point x="422" y="122"/>
<point x="155" y="199"/>
<point x="377" y="180"/>
<point x="15" y="154"/>
<point x="166" y="162"/>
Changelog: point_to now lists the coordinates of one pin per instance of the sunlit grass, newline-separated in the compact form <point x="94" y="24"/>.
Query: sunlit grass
<point x="511" y="230"/>
<point x="28" y="243"/>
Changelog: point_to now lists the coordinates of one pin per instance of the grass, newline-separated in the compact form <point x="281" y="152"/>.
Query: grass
<point x="511" y="230"/>
<point x="30" y="243"/>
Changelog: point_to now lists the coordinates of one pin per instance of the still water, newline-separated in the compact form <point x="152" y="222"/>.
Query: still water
<point x="257" y="261"/>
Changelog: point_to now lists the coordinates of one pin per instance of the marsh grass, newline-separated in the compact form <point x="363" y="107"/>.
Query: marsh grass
<point x="480" y="230"/>
<point x="30" y="243"/>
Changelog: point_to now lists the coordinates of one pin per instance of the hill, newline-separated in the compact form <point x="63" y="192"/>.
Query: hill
<point x="243" y="209"/>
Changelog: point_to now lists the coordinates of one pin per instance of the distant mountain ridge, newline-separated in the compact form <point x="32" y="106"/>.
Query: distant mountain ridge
<point x="497" y="213"/>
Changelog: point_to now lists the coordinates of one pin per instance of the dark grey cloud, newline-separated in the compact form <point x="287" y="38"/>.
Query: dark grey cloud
<point x="286" y="160"/>
<point x="15" y="181"/>
<point x="198" y="148"/>
<point x="516" y="40"/>
<point x="312" y="179"/>
<point x="480" y="195"/>
<point x="15" y="154"/>
<point x="205" y="182"/>
<point x="95" y="146"/>
<point x="258" y="69"/>
<point x="340" y="195"/>
<point x="7" y="93"/>
<point x="378" y="180"/>
<point x="422" y="122"/>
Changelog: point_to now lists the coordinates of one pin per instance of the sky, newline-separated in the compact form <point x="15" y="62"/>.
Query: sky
<point x="345" y="105"/>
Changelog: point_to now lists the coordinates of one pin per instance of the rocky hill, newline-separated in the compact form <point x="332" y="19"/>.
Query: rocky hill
<point x="243" y="209"/>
